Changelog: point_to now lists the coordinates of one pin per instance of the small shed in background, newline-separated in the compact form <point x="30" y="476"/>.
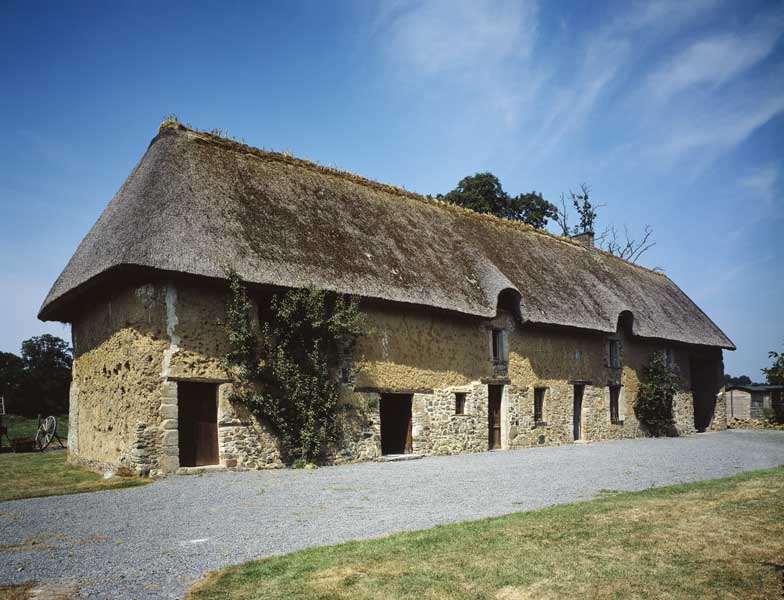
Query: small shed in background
<point x="750" y="401"/>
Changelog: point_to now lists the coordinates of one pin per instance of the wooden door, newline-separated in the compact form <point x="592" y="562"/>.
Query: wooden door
<point x="396" y="424"/>
<point x="494" y="393"/>
<point x="577" y="418"/>
<point x="197" y="405"/>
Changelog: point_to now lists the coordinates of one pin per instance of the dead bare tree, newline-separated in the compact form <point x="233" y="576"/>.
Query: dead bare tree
<point x="562" y="218"/>
<point x="628" y="248"/>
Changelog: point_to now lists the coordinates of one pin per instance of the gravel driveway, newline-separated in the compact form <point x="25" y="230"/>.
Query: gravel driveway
<point x="153" y="541"/>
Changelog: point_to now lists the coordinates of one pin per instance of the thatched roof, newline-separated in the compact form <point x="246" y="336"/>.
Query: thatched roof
<point x="198" y="204"/>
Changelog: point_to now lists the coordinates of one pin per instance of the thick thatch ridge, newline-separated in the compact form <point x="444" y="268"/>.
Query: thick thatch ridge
<point x="198" y="204"/>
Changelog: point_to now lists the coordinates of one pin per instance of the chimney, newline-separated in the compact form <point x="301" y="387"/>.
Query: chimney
<point x="585" y="238"/>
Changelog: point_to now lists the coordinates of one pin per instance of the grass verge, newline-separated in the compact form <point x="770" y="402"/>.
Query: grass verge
<point x="48" y="474"/>
<point x="712" y="539"/>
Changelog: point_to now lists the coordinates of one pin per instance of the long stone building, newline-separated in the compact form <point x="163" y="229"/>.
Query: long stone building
<point x="481" y="333"/>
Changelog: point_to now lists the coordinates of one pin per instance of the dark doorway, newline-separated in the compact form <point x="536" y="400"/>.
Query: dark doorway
<point x="494" y="393"/>
<point x="197" y="407"/>
<point x="705" y="383"/>
<point x="577" y="419"/>
<point x="396" y="424"/>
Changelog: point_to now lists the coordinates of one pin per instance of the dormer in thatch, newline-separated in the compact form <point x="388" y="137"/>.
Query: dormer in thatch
<point x="533" y="337"/>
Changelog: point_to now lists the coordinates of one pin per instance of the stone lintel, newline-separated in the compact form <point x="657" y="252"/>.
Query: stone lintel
<point x="218" y="380"/>
<point x="496" y="381"/>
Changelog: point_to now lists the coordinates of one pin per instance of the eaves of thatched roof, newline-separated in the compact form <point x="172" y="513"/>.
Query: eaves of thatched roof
<point x="198" y="204"/>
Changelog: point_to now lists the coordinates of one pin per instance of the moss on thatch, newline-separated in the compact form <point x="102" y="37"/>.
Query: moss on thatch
<point x="199" y="204"/>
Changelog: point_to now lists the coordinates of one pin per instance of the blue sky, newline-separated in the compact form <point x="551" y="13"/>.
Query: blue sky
<point x="671" y="111"/>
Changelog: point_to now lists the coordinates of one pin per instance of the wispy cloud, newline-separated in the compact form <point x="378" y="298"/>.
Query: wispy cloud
<point x="607" y="53"/>
<point x="541" y="94"/>
<point x="483" y="49"/>
<point x="664" y="15"/>
<point x="455" y="35"/>
<point x="716" y="129"/>
<point x="757" y="198"/>
<point x="762" y="180"/>
<point x="715" y="58"/>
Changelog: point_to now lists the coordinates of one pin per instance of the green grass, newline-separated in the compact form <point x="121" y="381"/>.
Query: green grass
<point x="19" y="426"/>
<point x="712" y="539"/>
<point x="48" y="474"/>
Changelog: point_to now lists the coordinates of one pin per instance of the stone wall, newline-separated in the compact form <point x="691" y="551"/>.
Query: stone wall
<point x="134" y="346"/>
<point x="360" y="426"/>
<point x="243" y="440"/>
<point x="436" y="429"/>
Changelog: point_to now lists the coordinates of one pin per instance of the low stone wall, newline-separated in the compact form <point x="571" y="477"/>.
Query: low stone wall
<point x="754" y="424"/>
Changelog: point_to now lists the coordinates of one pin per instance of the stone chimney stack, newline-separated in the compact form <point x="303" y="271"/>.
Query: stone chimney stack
<point x="585" y="238"/>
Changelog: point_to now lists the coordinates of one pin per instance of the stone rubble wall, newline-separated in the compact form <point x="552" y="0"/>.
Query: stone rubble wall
<point x="243" y="440"/>
<point x="436" y="429"/>
<point x="719" y="422"/>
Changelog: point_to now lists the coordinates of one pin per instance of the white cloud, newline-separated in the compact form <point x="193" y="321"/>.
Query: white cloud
<point x="714" y="131"/>
<point x="762" y="180"/>
<point x="715" y="59"/>
<point x="454" y="35"/>
<point x="665" y="15"/>
<point x="606" y="53"/>
<point x="481" y="50"/>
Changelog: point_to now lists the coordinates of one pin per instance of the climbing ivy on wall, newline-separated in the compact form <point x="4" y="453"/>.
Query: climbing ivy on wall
<point x="288" y="373"/>
<point x="655" y="396"/>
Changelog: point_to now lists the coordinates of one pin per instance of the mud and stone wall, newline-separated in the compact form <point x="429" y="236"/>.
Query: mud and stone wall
<point x="118" y="350"/>
<point x="133" y="346"/>
<point x="412" y="348"/>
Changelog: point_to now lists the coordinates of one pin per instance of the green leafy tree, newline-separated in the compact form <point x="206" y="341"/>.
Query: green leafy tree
<point x="653" y="406"/>
<point x="775" y="372"/>
<point x="532" y="208"/>
<point x="46" y="352"/>
<point x="484" y="193"/>
<point x="12" y="377"/>
<point x="47" y="363"/>
<point x="740" y="380"/>
<point x="38" y="381"/>
<point x="481" y="193"/>
<point x="775" y="376"/>
<point x="585" y="210"/>
<point x="289" y="374"/>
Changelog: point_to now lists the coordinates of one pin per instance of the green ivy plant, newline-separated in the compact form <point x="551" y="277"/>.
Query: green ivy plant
<point x="288" y="375"/>
<point x="654" y="398"/>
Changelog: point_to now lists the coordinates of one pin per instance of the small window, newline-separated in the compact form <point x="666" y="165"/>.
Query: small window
<point x="615" y="354"/>
<point x="497" y="345"/>
<point x="669" y="357"/>
<point x="539" y="405"/>
<point x="615" y="398"/>
<point x="460" y="399"/>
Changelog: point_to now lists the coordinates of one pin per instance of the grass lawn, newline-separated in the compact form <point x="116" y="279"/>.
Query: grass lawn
<point x="712" y="539"/>
<point x="19" y="426"/>
<point x="48" y="474"/>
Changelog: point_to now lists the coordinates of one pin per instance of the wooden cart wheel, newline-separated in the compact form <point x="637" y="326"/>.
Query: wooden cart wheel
<point x="46" y="432"/>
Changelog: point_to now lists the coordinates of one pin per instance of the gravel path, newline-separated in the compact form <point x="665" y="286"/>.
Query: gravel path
<point x="153" y="541"/>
